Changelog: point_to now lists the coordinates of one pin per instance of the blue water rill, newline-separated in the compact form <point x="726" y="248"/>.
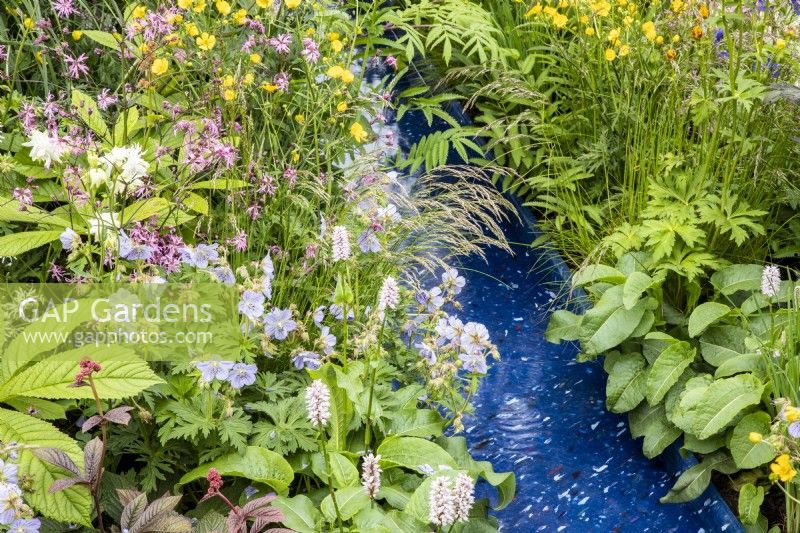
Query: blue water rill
<point x="542" y="415"/>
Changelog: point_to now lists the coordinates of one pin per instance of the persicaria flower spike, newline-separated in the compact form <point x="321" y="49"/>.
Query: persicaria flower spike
<point x="340" y="243"/>
<point x="214" y="481"/>
<point x="87" y="368"/>
<point x="441" y="502"/>
<point x="318" y="403"/>
<point x="464" y="496"/>
<point x="770" y="281"/>
<point x="389" y="295"/>
<point x="371" y="474"/>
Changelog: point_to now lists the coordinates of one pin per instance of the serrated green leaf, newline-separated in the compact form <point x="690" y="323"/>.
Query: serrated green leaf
<point x="72" y="505"/>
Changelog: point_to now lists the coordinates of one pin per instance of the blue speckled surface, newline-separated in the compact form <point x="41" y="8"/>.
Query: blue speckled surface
<point x="542" y="415"/>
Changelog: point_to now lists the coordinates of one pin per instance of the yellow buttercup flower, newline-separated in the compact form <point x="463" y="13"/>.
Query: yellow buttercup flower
<point x="601" y="8"/>
<point x="255" y="58"/>
<point x="28" y="23"/>
<point x="76" y="35"/>
<point x="240" y="17"/>
<point x="535" y="10"/>
<point x="563" y="4"/>
<point x="269" y="87"/>
<point x="627" y="21"/>
<point x="223" y="7"/>
<point x="295" y="156"/>
<point x="300" y="119"/>
<point x="780" y="44"/>
<point x="200" y="6"/>
<point x="624" y="50"/>
<point x="613" y="36"/>
<point x="185" y="4"/>
<point x="703" y="10"/>
<point x="791" y="414"/>
<point x="248" y="79"/>
<point x="649" y="30"/>
<point x="263" y="4"/>
<point x="335" y="72"/>
<point x="782" y="468"/>
<point x="228" y="81"/>
<point x="336" y="46"/>
<point x="560" y="20"/>
<point x="589" y="31"/>
<point x="676" y="39"/>
<point x="550" y="10"/>
<point x="677" y="6"/>
<point x="671" y="54"/>
<point x="191" y="29"/>
<point x="697" y="33"/>
<point x="159" y="66"/>
<point x="755" y="437"/>
<point x="660" y="40"/>
<point x="228" y="94"/>
<point x="341" y="107"/>
<point x="584" y="19"/>
<point x="348" y="76"/>
<point x="358" y="132"/>
<point x="139" y="12"/>
<point x="610" y="54"/>
<point x="333" y="36"/>
<point x="206" y="42"/>
<point x="291" y="4"/>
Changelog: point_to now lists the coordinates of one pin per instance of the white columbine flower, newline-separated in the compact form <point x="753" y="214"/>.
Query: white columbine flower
<point x="46" y="147"/>
<point x="464" y="496"/>
<point x="371" y="474"/>
<point x="389" y="295"/>
<point x="318" y="403"/>
<point x="770" y="281"/>
<point x="340" y="243"/>
<point x="129" y="164"/>
<point x="442" y="505"/>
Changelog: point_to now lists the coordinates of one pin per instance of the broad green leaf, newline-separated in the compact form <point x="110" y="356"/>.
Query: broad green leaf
<point x="604" y="328"/>
<point x="144" y="209"/>
<point x="15" y="244"/>
<point x="737" y="278"/>
<point x="400" y="522"/>
<point x="720" y="343"/>
<point x="342" y="469"/>
<point x="256" y="464"/>
<point x="748" y="454"/>
<point x="694" y="481"/>
<point x="626" y="384"/>
<point x="411" y="453"/>
<point x="102" y="37"/>
<point x="666" y="370"/>
<point x="417" y="423"/>
<point x="634" y="287"/>
<point x="705" y="446"/>
<point x="563" y="326"/>
<point x="44" y="409"/>
<point x="73" y="505"/>
<point x="723" y="400"/>
<point x="89" y="113"/>
<point x="749" y="362"/>
<point x="596" y="273"/>
<point x="750" y="500"/>
<point x="300" y="513"/>
<point x="10" y="212"/>
<point x="683" y="412"/>
<point x="196" y="203"/>
<point x="704" y="315"/>
<point x="121" y="377"/>
<point x="350" y="501"/>
<point x="127" y="124"/>
<point x="651" y="422"/>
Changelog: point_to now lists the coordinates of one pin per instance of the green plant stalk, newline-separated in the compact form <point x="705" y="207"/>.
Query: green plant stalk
<point x="372" y="372"/>
<point x="323" y="445"/>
